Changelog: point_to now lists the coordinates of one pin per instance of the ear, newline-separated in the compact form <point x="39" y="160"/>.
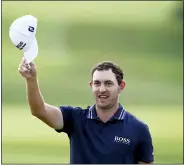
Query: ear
<point x="90" y="83"/>
<point x="122" y="85"/>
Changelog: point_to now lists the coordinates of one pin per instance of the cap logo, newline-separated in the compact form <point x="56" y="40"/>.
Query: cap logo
<point x="31" y="28"/>
<point x="21" y="45"/>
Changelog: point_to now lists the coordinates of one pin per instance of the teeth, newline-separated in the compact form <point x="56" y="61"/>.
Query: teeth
<point x="103" y="97"/>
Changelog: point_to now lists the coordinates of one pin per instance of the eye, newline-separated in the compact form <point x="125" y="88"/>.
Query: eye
<point x="96" y="83"/>
<point x="108" y="83"/>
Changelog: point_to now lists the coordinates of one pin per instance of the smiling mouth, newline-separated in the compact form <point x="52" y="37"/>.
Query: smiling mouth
<point x="102" y="97"/>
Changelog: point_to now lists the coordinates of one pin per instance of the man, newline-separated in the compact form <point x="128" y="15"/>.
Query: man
<point x="102" y="133"/>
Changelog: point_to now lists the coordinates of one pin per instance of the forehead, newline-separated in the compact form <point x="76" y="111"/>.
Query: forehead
<point x="104" y="75"/>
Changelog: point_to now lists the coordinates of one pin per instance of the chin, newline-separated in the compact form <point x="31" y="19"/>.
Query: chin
<point x="103" y="106"/>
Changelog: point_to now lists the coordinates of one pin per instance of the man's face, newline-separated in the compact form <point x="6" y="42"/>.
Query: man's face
<point x="105" y="88"/>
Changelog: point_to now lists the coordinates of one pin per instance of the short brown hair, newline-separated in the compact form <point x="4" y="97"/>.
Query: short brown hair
<point x="106" y="65"/>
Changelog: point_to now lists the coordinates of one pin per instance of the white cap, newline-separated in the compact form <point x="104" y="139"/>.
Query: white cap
<point x="22" y="33"/>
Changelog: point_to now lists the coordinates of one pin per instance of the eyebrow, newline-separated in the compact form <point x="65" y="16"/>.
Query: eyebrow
<point x="104" y="81"/>
<point x="96" y="81"/>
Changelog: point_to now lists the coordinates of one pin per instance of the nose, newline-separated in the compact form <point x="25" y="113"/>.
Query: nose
<point x="102" y="88"/>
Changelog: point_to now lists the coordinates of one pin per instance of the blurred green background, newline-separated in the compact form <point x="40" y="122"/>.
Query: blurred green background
<point x="144" y="38"/>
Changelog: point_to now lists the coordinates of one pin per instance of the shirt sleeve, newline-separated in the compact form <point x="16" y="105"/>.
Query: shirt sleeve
<point x="67" y="112"/>
<point x="145" y="147"/>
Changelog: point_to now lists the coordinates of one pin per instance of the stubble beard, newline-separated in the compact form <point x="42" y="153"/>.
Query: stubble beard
<point x="106" y="106"/>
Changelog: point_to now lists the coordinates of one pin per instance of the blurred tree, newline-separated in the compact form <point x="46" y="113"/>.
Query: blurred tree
<point x="178" y="11"/>
<point x="174" y="22"/>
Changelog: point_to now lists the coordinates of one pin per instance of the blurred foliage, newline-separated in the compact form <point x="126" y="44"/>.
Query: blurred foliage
<point x="73" y="37"/>
<point x="178" y="11"/>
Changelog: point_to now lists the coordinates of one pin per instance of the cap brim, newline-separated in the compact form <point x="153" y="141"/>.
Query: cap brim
<point x="32" y="52"/>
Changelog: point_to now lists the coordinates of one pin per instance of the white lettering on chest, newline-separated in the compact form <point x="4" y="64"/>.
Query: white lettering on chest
<point x="123" y="140"/>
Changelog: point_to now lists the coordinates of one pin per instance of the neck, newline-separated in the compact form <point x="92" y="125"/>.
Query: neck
<point x="106" y="114"/>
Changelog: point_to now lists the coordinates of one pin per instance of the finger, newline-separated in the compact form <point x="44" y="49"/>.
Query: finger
<point x="21" y="71"/>
<point x="24" y="69"/>
<point x="31" y="64"/>
<point x="23" y="59"/>
<point x="27" y="65"/>
<point x="26" y="62"/>
<point x="24" y="66"/>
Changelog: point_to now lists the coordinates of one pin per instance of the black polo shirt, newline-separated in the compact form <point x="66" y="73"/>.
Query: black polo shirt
<point x="122" y="140"/>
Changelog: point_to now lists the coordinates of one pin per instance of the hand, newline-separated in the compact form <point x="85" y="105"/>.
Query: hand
<point x="27" y="70"/>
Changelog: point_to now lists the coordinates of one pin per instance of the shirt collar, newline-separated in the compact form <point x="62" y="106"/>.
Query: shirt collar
<point x="119" y="115"/>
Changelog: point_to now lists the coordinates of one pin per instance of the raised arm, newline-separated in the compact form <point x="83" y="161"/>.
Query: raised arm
<point x="49" y="114"/>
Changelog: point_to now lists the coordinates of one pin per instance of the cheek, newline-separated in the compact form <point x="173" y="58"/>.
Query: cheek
<point x="94" y="90"/>
<point x="114" y="91"/>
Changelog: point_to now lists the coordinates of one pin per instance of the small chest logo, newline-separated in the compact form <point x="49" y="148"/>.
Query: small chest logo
<point x="118" y="139"/>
